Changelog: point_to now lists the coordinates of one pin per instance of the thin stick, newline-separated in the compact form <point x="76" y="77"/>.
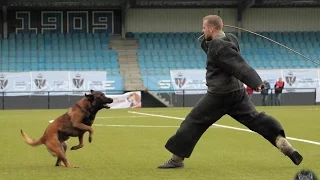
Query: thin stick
<point x="273" y="42"/>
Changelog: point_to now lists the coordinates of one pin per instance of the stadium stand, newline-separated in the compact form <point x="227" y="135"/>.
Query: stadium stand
<point x="25" y="52"/>
<point x="157" y="53"/>
<point x="160" y="52"/>
<point x="52" y="51"/>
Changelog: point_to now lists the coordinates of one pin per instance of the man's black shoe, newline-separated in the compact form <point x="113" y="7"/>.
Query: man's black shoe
<point x="295" y="157"/>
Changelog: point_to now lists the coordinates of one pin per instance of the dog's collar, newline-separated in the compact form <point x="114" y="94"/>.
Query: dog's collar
<point x="83" y="109"/>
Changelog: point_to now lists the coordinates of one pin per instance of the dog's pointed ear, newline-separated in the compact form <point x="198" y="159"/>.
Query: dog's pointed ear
<point x="89" y="96"/>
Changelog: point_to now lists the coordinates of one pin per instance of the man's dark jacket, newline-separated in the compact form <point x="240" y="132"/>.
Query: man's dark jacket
<point x="226" y="69"/>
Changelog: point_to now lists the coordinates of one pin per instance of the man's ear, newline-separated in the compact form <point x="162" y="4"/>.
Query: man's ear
<point x="89" y="96"/>
<point x="91" y="91"/>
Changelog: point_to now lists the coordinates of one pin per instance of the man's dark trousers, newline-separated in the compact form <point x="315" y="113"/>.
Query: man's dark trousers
<point x="210" y="109"/>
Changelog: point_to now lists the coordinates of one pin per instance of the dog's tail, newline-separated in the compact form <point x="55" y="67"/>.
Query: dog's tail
<point x="30" y="141"/>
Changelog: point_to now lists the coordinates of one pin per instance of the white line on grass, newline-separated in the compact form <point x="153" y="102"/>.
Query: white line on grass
<point x="114" y="117"/>
<point x="117" y="117"/>
<point x="223" y="126"/>
<point x="137" y="126"/>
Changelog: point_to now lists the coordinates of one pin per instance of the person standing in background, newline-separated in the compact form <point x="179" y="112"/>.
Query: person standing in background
<point x="265" y="94"/>
<point x="278" y="87"/>
<point x="250" y="92"/>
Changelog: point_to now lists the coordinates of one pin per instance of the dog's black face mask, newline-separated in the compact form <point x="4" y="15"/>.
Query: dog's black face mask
<point x="99" y="100"/>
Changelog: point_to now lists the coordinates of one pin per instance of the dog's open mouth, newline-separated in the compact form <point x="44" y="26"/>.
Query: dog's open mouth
<point x="106" y="106"/>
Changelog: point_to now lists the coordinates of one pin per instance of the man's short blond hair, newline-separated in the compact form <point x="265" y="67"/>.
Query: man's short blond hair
<point x="214" y="20"/>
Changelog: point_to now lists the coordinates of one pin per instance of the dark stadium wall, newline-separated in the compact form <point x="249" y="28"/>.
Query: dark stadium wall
<point x="254" y="19"/>
<point x="287" y="99"/>
<point x="66" y="20"/>
<point x="1" y="21"/>
<point x="59" y="102"/>
<point x="63" y="102"/>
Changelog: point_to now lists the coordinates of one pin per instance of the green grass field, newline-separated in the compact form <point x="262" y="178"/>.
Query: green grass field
<point x="134" y="147"/>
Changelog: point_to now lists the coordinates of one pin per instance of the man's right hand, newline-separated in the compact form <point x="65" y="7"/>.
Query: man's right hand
<point x="260" y="88"/>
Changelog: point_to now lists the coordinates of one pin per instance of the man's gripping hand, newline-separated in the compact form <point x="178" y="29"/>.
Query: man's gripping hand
<point x="260" y="88"/>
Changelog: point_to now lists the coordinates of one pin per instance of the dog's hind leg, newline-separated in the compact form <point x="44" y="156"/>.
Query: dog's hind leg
<point x="55" y="147"/>
<point x="80" y="143"/>
<point x="59" y="161"/>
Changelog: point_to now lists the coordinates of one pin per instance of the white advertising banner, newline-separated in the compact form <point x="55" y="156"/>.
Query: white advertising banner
<point x="15" y="84"/>
<point x="300" y="80"/>
<point x="296" y="80"/>
<point x="127" y="100"/>
<point x="56" y="82"/>
<point x="189" y="81"/>
<point x="81" y="81"/>
<point x="271" y="76"/>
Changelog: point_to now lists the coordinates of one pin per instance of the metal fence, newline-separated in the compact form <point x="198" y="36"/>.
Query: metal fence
<point x="289" y="97"/>
<point x="183" y="98"/>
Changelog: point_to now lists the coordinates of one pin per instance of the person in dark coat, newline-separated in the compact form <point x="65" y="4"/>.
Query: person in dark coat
<point x="227" y="72"/>
<point x="265" y="93"/>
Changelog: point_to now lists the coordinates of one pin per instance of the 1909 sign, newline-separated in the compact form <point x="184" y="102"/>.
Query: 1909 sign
<point x="66" y="21"/>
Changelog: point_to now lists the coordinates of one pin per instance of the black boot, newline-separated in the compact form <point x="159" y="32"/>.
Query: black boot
<point x="174" y="162"/>
<point x="285" y="147"/>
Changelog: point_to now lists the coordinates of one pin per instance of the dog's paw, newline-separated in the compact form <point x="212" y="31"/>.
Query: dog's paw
<point x="59" y="164"/>
<point x="76" y="147"/>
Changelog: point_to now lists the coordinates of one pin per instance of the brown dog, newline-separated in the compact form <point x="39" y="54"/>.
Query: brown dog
<point x="74" y="123"/>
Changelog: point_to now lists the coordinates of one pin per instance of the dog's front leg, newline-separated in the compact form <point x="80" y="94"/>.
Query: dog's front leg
<point x="84" y="127"/>
<point x="80" y="143"/>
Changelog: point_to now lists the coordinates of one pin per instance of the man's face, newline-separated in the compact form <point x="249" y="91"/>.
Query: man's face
<point x="207" y="30"/>
<point x="280" y="79"/>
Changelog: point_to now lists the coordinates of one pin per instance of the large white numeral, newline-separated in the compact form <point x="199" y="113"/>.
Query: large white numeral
<point x="77" y="21"/>
<point x="104" y="21"/>
<point x="52" y="21"/>
<point x="25" y="18"/>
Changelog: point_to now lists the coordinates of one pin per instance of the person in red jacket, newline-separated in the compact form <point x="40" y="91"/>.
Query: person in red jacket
<point x="278" y="87"/>
<point x="249" y="91"/>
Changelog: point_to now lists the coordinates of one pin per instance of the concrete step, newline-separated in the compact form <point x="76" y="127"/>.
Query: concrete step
<point x="134" y="74"/>
<point x="124" y="56"/>
<point x="127" y="52"/>
<point x="118" y="48"/>
<point x="130" y="71"/>
<point x="128" y="81"/>
<point x="132" y="77"/>
<point x="129" y="65"/>
<point x="128" y="61"/>
<point x="131" y="74"/>
<point x="127" y="55"/>
<point x="126" y="42"/>
<point x="125" y="68"/>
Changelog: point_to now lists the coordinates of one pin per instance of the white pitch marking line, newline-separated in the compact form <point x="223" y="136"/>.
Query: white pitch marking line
<point x="223" y="126"/>
<point x="117" y="117"/>
<point x="126" y="125"/>
<point x="136" y="126"/>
